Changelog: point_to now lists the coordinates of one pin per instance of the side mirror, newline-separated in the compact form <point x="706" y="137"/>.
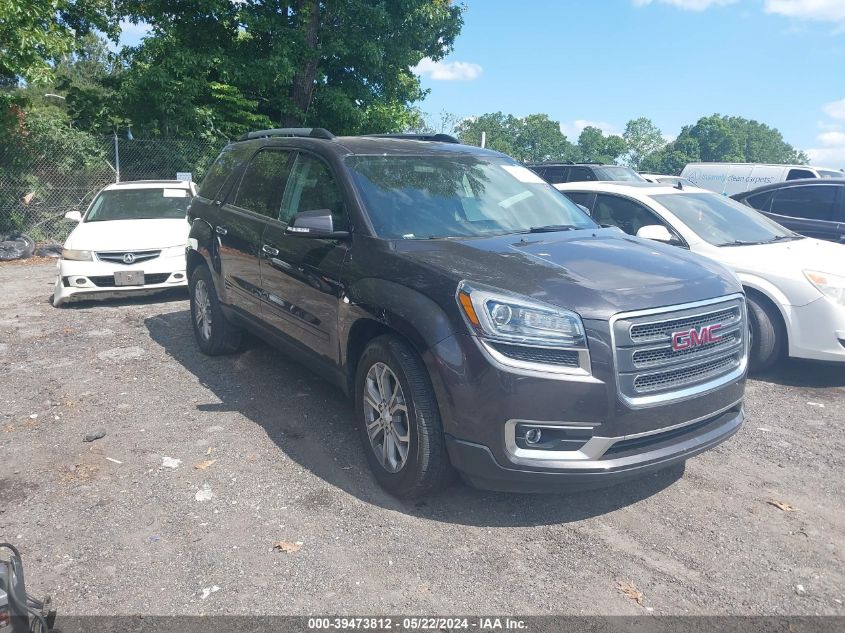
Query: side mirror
<point x="76" y="216"/>
<point x="658" y="233"/>
<point x="316" y="224"/>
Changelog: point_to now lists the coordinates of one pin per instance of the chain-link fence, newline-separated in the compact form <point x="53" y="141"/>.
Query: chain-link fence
<point x="36" y="190"/>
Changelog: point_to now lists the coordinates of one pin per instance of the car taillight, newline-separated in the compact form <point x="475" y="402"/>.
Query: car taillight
<point x="5" y="619"/>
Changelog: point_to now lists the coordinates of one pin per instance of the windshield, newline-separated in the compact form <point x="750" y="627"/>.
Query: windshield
<point x="418" y="197"/>
<point x="829" y="173"/>
<point x="722" y="221"/>
<point x="615" y="172"/>
<point x="139" y="204"/>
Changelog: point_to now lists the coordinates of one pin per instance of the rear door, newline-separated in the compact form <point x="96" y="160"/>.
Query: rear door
<point x="814" y="210"/>
<point x="301" y="275"/>
<point x="250" y="205"/>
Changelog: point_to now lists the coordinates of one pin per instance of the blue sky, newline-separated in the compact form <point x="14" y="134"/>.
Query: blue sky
<point x="780" y="62"/>
<point x="603" y="62"/>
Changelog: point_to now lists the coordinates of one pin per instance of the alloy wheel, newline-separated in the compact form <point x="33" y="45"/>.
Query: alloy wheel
<point x="386" y="417"/>
<point x="202" y="309"/>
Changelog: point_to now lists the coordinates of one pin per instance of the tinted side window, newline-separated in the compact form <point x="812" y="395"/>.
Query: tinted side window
<point x="795" y="174"/>
<point x="312" y="186"/>
<point x="813" y="202"/>
<point x="580" y="197"/>
<point x="263" y="182"/>
<point x="580" y="174"/>
<point x="226" y="163"/>
<point x="628" y="215"/>
<point x="760" y="201"/>
<point x="556" y="175"/>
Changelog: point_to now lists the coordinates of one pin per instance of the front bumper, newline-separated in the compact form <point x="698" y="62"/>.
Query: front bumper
<point x="634" y="458"/>
<point x="90" y="279"/>
<point x="481" y="404"/>
<point x="817" y="331"/>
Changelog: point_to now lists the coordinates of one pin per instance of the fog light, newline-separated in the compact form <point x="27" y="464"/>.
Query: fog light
<point x="533" y="436"/>
<point x="81" y="281"/>
<point x="178" y="276"/>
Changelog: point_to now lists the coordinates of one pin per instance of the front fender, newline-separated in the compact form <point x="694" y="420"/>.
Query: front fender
<point x="202" y="242"/>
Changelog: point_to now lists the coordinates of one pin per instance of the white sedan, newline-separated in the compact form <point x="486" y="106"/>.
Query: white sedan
<point x="795" y="285"/>
<point x="131" y="239"/>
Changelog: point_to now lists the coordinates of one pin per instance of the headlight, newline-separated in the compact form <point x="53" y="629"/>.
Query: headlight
<point x="501" y="317"/>
<point x="173" y="251"/>
<point x="832" y="286"/>
<point x="78" y="256"/>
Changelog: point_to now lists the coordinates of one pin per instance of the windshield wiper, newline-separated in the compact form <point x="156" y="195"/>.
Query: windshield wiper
<point x="741" y="243"/>
<point x="783" y="238"/>
<point x="551" y="228"/>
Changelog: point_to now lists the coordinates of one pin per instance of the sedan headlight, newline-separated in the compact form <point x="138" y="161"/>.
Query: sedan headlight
<point x="173" y="251"/>
<point x="501" y="317"/>
<point x="75" y="255"/>
<point x="832" y="286"/>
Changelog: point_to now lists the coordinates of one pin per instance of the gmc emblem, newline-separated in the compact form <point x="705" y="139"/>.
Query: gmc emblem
<point x="696" y="337"/>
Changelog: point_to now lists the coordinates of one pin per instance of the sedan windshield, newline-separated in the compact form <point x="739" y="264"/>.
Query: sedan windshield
<point x="722" y="221"/>
<point x="829" y="173"/>
<point x="420" y="197"/>
<point x="139" y="204"/>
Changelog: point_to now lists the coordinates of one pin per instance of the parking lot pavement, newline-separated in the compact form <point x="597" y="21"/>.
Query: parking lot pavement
<point x="208" y="463"/>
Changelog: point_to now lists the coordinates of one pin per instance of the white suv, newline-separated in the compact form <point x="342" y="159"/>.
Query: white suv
<point x="131" y="239"/>
<point x="795" y="285"/>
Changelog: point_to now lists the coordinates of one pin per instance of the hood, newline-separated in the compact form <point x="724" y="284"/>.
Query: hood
<point x="785" y="257"/>
<point x="595" y="272"/>
<point x="126" y="235"/>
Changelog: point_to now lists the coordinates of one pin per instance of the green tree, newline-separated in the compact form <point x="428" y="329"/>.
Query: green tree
<point x="36" y="33"/>
<point x="724" y="139"/>
<point x="534" y="138"/>
<point x="340" y="64"/>
<point x="594" y="146"/>
<point x="642" y="139"/>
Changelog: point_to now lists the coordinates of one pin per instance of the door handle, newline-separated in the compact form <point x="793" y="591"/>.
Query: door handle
<point x="269" y="250"/>
<point x="221" y="230"/>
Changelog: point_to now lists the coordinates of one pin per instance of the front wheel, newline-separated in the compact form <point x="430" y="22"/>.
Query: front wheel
<point x="214" y="333"/>
<point x="767" y="335"/>
<point x="399" y="421"/>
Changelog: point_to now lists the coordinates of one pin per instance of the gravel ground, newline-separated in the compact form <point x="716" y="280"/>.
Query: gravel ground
<point x="208" y="463"/>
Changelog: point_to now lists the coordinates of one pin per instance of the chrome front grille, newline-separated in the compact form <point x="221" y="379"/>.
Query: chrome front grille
<point x="127" y="257"/>
<point x="667" y="354"/>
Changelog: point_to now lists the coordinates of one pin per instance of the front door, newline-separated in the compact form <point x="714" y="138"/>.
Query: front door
<point x="811" y="210"/>
<point x="301" y="275"/>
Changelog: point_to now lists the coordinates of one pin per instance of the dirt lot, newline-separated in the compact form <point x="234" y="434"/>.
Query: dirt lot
<point x="207" y="463"/>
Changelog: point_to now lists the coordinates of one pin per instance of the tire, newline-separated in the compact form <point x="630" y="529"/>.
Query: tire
<point x="767" y="335"/>
<point x="217" y="335"/>
<point x="426" y="468"/>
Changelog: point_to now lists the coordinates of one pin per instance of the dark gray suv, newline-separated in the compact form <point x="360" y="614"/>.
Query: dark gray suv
<point x="480" y="321"/>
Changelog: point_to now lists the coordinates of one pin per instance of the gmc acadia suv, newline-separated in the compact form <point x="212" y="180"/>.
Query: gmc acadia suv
<point x="479" y="320"/>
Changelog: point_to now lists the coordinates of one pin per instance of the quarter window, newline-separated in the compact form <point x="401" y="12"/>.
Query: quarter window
<point x="312" y="186"/>
<point x="760" y="201"/>
<point x="795" y="174"/>
<point x="814" y="202"/>
<point x="263" y="183"/>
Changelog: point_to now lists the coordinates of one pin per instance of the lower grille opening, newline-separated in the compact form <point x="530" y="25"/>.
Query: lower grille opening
<point x="107" y="281"/>
<point x="545" y="356"/>
<point x="638" y="444"/>
<point x="685" y="375"/>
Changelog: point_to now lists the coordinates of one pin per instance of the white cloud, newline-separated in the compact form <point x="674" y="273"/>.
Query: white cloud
<point x="832" y="139"/>
<point x="687" y="5"/>
<point x="447" y="71"/>
<point x="572" y="130"/>
<point x="817" y="10"/>
<point x="835" y="109"/>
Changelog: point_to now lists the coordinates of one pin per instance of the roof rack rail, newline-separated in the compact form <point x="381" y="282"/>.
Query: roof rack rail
<point x="441" y="138"/>
<point x="308" y="132"/>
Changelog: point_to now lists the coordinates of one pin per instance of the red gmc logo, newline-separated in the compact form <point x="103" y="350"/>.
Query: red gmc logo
<point x="696" y="337"/>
